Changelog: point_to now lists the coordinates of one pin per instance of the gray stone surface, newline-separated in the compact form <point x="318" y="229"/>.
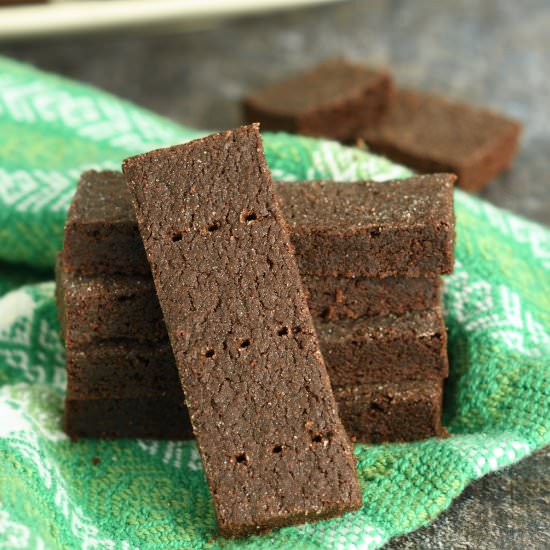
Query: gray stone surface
<point x="508" y="510"/>
<point x="492" y="52"/>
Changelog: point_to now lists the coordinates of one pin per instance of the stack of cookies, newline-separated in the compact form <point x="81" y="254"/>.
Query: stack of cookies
<point x="121" y="376"/>
<point x="183" y="296"/>
<point x="370" y="256"/>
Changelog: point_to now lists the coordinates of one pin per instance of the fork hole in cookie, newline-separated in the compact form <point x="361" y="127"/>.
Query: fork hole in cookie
<point x="278" y="449"/>
<point x="241" y="458"/>
<point x="209" y="353"/>
<point x="214" y="226"/>
<point x="283" y="331"/>
<point x="248" y="217"/>
<point x="244" y="343"/>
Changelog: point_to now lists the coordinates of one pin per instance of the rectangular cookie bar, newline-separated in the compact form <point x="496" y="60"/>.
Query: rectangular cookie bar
<point x="368" y="350"/>
<point x="375" y="350"/>
<point x="410" y="345"/>
<point x="144" y="417"/>
<point x="121" y="369"/>
<point x="401" y="228"/>
<point x="372" y="413"/>
<point x="334" y="298"/>
<point x="434" y="134"/>
<point x="356" y="350"/>
<point x="381" y="413"/>
<point x="404" y="228"/>
<point x="335" y="100"/>
<point x="380" y="349"/>
<point x="119" y="306"/>
<point x="108" y="306"/>
<point x="101" y="235"/>
<point x="258" y="392"/>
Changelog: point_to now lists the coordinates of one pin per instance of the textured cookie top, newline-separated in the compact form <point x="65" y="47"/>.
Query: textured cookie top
<point x="101" y="197"/>
<point x="442" y="128"/>
<point x="362" y="206"/>
<point x="329" y="82"/>
<point x="272" y="445"/>
<point x="422" y="323"/>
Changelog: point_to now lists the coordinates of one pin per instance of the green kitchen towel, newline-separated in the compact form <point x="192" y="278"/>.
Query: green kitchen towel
<point x="150" y="494"/>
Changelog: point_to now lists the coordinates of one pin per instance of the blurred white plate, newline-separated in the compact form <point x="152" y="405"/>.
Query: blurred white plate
<point x="70" y="16"/>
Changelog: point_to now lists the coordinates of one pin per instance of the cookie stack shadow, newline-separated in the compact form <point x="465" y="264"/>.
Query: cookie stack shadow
<point x="370" y="255"/>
